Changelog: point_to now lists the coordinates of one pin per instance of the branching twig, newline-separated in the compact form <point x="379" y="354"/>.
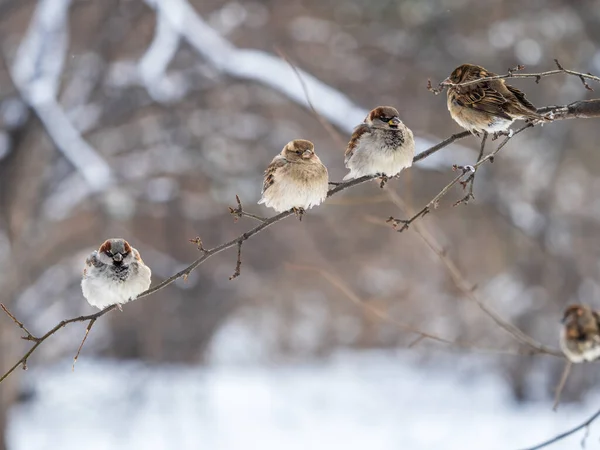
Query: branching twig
<point x="432" y="204"/>
<point x="29" y="337"/>
<point x="238" y="212"/>
<point x="561" y="436"/>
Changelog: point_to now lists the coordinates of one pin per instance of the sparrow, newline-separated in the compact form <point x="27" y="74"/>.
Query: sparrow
<point x="381" y="145"/>
<point x="114" y="274"/>
<point x="296" y="179"/>
<point x="580" y="334"/>
<point x="489" y="106"/>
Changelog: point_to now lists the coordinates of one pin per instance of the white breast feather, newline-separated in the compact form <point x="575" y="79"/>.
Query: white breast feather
<point x="100" y="291"/>
<point x="372" y="156"/>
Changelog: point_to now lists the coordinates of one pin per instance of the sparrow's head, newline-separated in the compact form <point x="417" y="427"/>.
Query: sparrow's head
<point x="579" y="321"/>
<point x="464" y="73"/>
<point x="299" y="150"/>
<point x="384" y="117"/>
<point x="116" y="252"/>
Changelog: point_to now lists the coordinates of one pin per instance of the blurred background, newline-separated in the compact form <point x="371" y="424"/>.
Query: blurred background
<point x="143" y="119"/>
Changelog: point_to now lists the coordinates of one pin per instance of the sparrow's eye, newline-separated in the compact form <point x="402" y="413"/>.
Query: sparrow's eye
<point x="109" y="253"/>
<point x="385" y="119"/>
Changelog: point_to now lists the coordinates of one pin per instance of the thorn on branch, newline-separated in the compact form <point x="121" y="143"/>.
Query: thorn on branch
<point x="238" y="265"/>
<point x="87" y="331"/>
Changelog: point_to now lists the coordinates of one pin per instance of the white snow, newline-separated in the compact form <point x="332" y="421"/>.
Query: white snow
<point x="374" y="400"/>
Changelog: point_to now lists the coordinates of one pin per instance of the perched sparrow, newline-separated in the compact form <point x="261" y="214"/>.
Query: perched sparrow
<point x="114" y="274"/>
<point x="490" y="106"/>
<point x="382" y="145"/>
<point x="296" y="179"/>
<point x="580" y="335"/>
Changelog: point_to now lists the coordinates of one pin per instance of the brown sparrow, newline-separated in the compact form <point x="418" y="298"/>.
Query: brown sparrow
<point x="382" y="145"/>
<point x="490" y="106"/>
<point x="114" y="274"/>
<point x="580" y="335"/>
<point x="296" y="179"/>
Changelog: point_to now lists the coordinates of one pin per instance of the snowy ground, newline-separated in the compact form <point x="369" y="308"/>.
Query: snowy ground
<point x="368" y="401"/>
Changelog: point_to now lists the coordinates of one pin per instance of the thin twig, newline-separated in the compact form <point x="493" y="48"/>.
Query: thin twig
<point x="239" y="212"/>
<point x="561" y="384"/>
<point x="238" y="265"/>
<point x="29" y="337"/>
<point x="433" y="203"/>
<point x="87" y="331"/>
<point x="470" y="181"/>
<point x="561" y="436"/>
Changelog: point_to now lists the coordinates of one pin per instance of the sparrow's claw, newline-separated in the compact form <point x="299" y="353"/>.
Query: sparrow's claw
<point x="299" y="213"/>
<point x="384" y="179"/>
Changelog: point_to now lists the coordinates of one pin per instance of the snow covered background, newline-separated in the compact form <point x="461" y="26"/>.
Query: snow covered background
<point x="375" y="400"/>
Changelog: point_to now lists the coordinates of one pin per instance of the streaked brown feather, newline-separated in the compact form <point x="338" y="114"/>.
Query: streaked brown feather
<point x="358" y="132"/>
<point x="277" y="163"/>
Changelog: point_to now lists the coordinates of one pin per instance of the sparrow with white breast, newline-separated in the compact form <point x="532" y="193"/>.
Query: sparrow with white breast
<point x="296" y="179"/>
<point x="382" y="145"/>
<point x="580" y="335"/>
<point x="114" y="274"/>
<point x="490" y="106"/>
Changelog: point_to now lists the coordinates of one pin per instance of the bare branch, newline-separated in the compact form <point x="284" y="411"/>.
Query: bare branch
<point x="511" y="74"/>
<point x="583" y="109"/>
<point x="561" y="436"/>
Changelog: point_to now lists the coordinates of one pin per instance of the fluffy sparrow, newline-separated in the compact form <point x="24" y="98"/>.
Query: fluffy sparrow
<point x="382" y="145"/>
<point x="580" y="335"/>
<point x="490" y="106"/>
<point x="296" y="179"/>
<point x="114" y="274"/>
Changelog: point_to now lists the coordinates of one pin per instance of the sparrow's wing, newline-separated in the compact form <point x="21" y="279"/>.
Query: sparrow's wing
<point x="521" y="98"/>
<point x="90" y="261"/>
<point x="356" y="135"/>
<point x="484" y="98"/>
<point x="278" y="162"/>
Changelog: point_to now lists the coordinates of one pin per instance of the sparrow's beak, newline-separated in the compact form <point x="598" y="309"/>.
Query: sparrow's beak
<point x="446" y="82"/>
<point x="118" y="257"/>
<point x="394" y="122"/>
<point x="307" y="154"/>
